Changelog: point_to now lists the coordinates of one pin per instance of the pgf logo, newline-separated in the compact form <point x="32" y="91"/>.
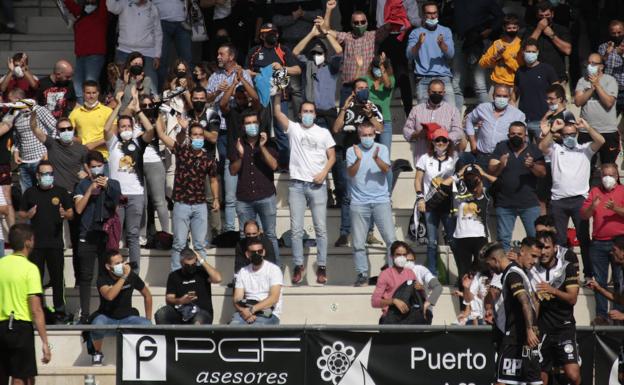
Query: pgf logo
<point x="511" y="367"/>
<point x="144" y="358"/>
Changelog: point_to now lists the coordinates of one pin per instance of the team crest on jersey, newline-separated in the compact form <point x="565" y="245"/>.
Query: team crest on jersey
<point x="56" y="201"/>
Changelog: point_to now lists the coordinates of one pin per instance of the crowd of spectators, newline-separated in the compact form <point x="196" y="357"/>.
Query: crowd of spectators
<point x="131" y="132"/>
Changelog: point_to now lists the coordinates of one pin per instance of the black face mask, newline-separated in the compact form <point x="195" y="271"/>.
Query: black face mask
<point x="617" y="40"/>
<point x="256" y="259"/>
<point x="135" y="70"/>
<point x="151" y="113"/>
<point x="62" y="83"/>
<point x="181" y="74"/>
<point x="271" y="39"/>
<point x="516" y="142"/>
<point x="189" y="269"/>
<point x="199" y="106"/>
<point x="436" y="98"/>
<point x="511" y="33"/>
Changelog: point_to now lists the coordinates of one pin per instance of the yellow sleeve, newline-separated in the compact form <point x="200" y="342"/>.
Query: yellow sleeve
<point x="34" y="280"/>
<point x="487" y="59"/>
<point x="512" y="58"/>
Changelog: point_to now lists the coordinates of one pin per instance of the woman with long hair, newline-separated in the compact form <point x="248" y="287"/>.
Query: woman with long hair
<point x="134" y="76"/>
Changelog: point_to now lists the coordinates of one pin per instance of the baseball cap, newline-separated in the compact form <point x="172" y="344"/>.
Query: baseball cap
<point x="268" y="27"/>
<point x="471" y="169"/>
<point x="440" y="132"/>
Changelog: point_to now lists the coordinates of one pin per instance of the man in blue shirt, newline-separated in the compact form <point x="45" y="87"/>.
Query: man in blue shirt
<point x="367" y="165"/>
<point x="431" y="48"/>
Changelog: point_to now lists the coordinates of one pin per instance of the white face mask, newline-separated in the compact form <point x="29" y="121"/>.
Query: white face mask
<point x="400" y="261"/>
<point x="409" y="264"/>
<point x="91" y="105"/>
<point x="608" y="182"/>
<point x="319" y="59"/>
<point x="18" y="72"/>
<point x="125" y="135"/>
<point x="553" y="107"/>
<point x="118" y="269"/>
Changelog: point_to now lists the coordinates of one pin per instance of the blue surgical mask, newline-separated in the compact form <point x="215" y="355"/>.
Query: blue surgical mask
<point x="66" y="136"/>
<point x="501" y="103"/>
<point x="362" y="95"/>
<point x="431" y="22"/>
<point x="89" y="8"/>
<point x="251" y="129"/>
<point x="376" y="72"/>
<point x="307" y="119"/>
<point x="530" y="57"/>
<point x="197" y="144"/>
<point x="367" y="141"/>
<point x="592" y="70"/>
<point x="46" y="180"/>
<point x="118" y="270"/>
<point x="570" y="142"/>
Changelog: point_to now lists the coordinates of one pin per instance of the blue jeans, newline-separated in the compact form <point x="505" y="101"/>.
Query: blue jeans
<point x="266" y="209"/>
<point x="87" y="68"/>
<point x="422" y="87"/>
<point x="229" y="182"/>
<point x="433" y="219"/>
<point x="386" y="139"/>
<point x="148" y="67"/>
<point x="27" y="175"/>
<point x="300" y="195"/>
<point x="506" y="219"/>
<point x="362" y="215"/>
<point x="466" y="66"/>
<point x="600" y="253"/>
<point x="105" y="320"/>
<point x="238" y="320"/>
<point x="193" y="218"/>
<point x="131" y="214"/>
<point x="174" y="34"/>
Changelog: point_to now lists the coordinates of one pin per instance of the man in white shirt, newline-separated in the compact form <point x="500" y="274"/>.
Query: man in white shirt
<point x="312" y="155"/>
<point x="571" y="169"/>
<point x="258" y="292"/>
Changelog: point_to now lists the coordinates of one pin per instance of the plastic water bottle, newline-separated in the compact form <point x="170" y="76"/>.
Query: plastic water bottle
<point x="89" y="379"/>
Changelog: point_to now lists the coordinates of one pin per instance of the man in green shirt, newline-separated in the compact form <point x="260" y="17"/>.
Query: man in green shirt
<point x="20" y="306"/>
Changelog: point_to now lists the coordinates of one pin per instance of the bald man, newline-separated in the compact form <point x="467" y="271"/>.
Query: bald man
<point x="56" y="92"/>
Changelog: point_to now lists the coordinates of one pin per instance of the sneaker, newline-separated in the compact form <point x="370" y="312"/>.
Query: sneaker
<point x="97" y="359"/>
<point x="361" y="281"/>
<point x="321" y="275"/>
<point x="343" y="241"/>
<point x="298" y="274"/>
<point x="372" y="240"/>
<point x="142" y="241"/>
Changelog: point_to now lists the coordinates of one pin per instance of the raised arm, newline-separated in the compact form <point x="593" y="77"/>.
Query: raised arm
<point x="110" y="128"/>
<point x="597" y="139"/>
<point x="167" y="141"/>
<point x="39" y="133"/>
<point x="278" y="115"/>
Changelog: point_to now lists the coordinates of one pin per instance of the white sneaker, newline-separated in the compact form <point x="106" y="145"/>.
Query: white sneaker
<point x="97" y="359"/>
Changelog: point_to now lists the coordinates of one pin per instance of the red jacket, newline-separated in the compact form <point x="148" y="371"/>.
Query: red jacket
<point x="89" y="30"/>
<point x="396" y="16"/>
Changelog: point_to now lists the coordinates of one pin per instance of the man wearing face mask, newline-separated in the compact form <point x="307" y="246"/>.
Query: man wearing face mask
<point x="612" y="53"/>
<point x="605" y="204"/>
<point x="188" y="295"/>
<point x="367" y="166"/>
<point x="312" y="156"/>
<point x="252" y="231"/>
<point x="553" y="39"/>
<point x="56" y="92"/>
<point x="518" y="164"/>
<point x="532" y="81"/>
<point x="596" y="95"/>
<point x="434" y="110"/>
<point x="503" y="55"/>
<point x="46" y="206"/>
<point x="571" y="167"/>
<point x="492" y="119"/>
<point x="19" y="76"/>
<point x="431" y="48"/>
<point x="257" y="293"/>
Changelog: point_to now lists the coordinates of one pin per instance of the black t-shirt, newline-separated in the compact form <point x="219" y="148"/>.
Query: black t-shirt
<point x="516" y="185"/>
<point x="47" y="222"/>
<point x="121" y="306"/>
<point x="532" y="84"/>
<point x="515" y="327"/>
<point x="180" y="284"/>
<point x="554" y="312"/>
<point x="548" y="52"/>
<point x="354" y="115"/>
<point x="58" y="99"/>
<point x="261" y="56"/>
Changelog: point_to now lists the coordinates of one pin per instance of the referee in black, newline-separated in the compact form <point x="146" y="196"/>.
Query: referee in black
<point x="20" y="307"/>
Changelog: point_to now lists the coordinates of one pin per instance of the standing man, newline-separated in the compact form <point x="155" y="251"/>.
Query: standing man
<point x="502" y="57"/>
<point x="571" y="168"/>
<point x="556" y="280"/>
<point x="56" y="92"/>
<point x="312" y="156"/>
<point x="431" y="48"/>
<point x="20" y="290"/>
<point x="367" y="165"/>
<point x="89" y="119"/>
<point x="515" y="319"/>
<point x="612" y="53"/>
<point x="614" y="296"/>
<point x="517" y="164"/>
<point x="46" y="206"/>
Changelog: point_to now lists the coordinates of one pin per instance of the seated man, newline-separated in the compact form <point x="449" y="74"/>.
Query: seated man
<point x="188" y="297"/>
<point x="258" y="290"/>
<point x="115" y="286"/>
<point x="252" y="230"/>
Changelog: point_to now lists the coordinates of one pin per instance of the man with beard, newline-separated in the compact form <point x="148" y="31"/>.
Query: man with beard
<point x="556" y="280"/>
<point x="188" y="296"/>
<point x="258" y="291"/>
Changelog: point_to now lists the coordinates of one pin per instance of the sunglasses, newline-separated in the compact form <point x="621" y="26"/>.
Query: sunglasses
<point x="440" y="140"/>
<point x="146" y="106"/>
<point x="63" y="129"/>
<point x="46" y="173"/>
<point x="359" y="22"/>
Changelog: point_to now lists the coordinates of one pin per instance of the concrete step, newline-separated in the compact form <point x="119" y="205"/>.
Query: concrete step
<point x="42" y="62"/>
<point x="36" y="42"/>
<point x="47" y="24"/>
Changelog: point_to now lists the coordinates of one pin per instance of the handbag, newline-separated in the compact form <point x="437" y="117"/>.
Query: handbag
<point x="195" y="19"/>
<point x="112" y="227"/>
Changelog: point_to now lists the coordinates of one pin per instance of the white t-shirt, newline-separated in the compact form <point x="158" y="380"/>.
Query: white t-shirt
<point x="423" y="275"/>
<point x="471" y="218"/>
<point x="308" y="150"/>
<point x="434" y="168"/>
<point x="570" y="170"/>
<point x="122" y="167"/>
<point x="479" y="289"/>
<point x="257" y="284"/>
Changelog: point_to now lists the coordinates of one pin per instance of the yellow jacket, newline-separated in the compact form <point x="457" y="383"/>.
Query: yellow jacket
<point x="506" y="66"/>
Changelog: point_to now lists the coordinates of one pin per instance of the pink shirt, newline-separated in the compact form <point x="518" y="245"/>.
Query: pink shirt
<point x="389" y="280"/>
<point x="607" y="223"/>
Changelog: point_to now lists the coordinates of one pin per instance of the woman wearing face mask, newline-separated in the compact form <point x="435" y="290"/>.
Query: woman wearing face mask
<point x="381" y="86"/>
<point x="201" y="75"/>
<point x="431" y="169"/>
<point x="134" y="76"/>
<point x="181" y="77"/>
<point x="391" y="278"/>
